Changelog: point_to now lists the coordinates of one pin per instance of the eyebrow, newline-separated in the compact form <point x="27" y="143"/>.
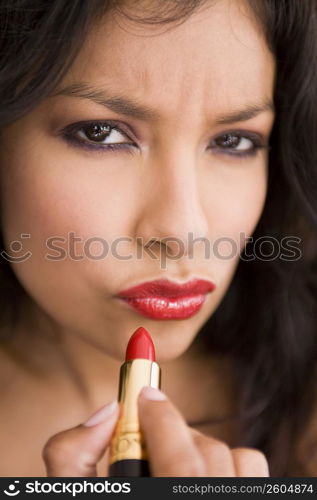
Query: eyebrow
<point x="130" y="107"/>
<point x="250" y="111"/>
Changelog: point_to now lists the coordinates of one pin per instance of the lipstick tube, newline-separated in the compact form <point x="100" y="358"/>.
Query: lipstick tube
<point x="128" y="455"/>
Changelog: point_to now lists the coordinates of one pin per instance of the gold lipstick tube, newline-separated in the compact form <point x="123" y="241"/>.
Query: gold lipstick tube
<point x="128" y="455"/>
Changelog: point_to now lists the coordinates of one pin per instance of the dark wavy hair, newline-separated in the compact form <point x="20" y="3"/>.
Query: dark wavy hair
<point x="267" y="320"/>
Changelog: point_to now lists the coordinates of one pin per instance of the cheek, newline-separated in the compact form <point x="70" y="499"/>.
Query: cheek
<point x="51" y="197"/>
<point x="235" y="203"/>
<point x="54" y="198"/>
<point x="247" y="203"/>
<point x="236" y="198"/>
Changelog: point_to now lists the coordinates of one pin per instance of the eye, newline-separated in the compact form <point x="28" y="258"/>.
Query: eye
<point x="238" y="143"/>
<point x="101" y="133"/>
<point x="234" y="142"/>
<point x="97" y="136"/>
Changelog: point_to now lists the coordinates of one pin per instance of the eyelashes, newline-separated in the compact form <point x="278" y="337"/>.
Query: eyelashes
<point x="238" y="143"/>
<point x="105" y="136"/>
<point x="94" y="136"/>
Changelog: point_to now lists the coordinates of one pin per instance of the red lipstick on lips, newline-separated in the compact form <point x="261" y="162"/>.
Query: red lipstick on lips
<point x="164" y="299"/>
<point x="128" y="455"/>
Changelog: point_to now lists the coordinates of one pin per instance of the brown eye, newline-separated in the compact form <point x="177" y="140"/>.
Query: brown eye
<point x="99" y="136"/>
<point x="235" y="142"/>
<point x="97" y="131"/>
<point x="103" y="133"/>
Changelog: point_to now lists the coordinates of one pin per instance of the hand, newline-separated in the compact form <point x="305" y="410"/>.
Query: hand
<point x="76" y="452"/>
<point x="174" y="448"/>
<point x="178" y="450"/>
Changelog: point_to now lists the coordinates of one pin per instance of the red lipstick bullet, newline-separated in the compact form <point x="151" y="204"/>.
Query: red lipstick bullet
<point x="140" y="346"/>
<point x="128" y="455"/>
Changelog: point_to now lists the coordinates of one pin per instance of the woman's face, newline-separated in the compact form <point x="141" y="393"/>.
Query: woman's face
<point x="178" y="173"/>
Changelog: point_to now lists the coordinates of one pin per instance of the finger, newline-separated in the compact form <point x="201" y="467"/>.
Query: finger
<point x="250" y="462"/>
<point x="216" y="455"/>
<point x="171" y="448"/>
<point x="75" y="452"/>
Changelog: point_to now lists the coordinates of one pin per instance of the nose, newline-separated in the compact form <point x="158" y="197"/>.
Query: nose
<point x="172" y="214"/>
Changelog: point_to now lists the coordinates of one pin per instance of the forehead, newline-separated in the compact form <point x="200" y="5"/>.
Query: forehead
<point x="217" y="55"/>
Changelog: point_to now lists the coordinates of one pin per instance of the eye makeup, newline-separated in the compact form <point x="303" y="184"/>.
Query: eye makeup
<point x="228" y="143"/>
<point x="70" y="135"/>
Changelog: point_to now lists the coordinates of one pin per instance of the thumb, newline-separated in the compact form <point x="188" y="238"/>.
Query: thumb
<point x="76" y="451"/>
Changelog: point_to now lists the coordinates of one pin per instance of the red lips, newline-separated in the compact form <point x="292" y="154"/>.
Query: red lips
<point x="164" y="299"/>
<point x="166" y="288"/>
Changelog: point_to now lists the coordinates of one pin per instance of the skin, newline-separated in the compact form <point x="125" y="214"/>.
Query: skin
<point x="170" y="185"/>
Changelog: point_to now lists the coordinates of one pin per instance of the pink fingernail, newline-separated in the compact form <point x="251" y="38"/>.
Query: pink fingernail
<point x="152" y="393"/>
<point x="102" y="414"/>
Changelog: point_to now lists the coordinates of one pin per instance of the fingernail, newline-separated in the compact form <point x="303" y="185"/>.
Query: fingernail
<point x="102" y="414"/>
<point x="152" y="393"/>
